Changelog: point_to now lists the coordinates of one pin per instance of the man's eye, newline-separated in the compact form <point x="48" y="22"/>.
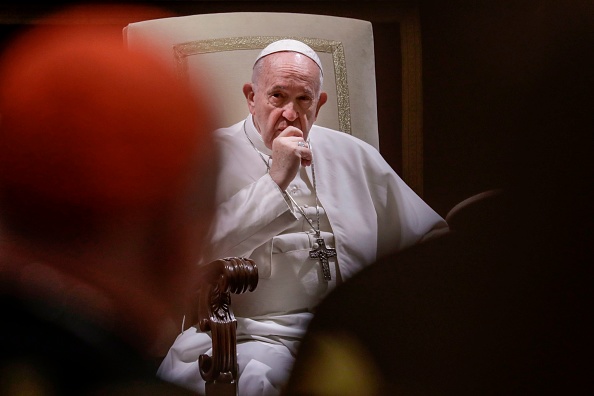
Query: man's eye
<point x="275" y="99"/>
<point x="305" y="102"/>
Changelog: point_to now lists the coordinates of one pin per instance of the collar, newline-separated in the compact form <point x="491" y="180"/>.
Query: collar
<point x="255" y="136"/>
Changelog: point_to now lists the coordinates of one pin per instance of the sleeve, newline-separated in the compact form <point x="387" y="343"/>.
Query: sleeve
<point x="249" y="218"/>
<point x="402" y="214"/>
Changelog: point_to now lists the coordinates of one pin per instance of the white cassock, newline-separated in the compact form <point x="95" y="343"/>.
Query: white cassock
<point x="365" y="211"/>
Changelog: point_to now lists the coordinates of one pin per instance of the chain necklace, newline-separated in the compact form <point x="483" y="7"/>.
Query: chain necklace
<point x="319" y="251"/>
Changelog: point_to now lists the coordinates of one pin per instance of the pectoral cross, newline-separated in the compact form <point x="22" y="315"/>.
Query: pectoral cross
<point x="322" y="252"/>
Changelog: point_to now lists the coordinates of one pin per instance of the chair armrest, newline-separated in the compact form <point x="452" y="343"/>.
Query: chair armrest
<point x="220" y="278"/>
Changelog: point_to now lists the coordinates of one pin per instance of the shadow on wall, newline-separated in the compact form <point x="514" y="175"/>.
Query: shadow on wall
<point x="502" y="85"/>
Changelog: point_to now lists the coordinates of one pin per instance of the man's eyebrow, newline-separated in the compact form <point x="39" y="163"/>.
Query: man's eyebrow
<point x="284" y="88"/>
<point x="278" y="88"/>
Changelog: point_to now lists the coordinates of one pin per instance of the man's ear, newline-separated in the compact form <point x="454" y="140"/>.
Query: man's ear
<point x="323" y="98"/>
<point x="248" y="92"/>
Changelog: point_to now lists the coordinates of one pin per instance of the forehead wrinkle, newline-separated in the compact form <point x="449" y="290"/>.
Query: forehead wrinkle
<point x="285" y="87"/>
<point x="293" y="67"/>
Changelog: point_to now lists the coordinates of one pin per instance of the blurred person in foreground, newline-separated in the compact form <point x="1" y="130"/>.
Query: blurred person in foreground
<point x="105" y="192"/>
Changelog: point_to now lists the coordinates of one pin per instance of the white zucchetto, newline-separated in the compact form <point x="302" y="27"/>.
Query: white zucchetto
<point x="289" y="45"/>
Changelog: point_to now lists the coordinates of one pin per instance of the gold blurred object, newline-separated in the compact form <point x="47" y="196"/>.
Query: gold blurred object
<point x="341" y="366"/>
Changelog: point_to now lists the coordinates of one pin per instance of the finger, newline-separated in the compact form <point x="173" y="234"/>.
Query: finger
<point x="291" y="131"/>
<point x="305" y="154"/>
<point x="305" y="161"/>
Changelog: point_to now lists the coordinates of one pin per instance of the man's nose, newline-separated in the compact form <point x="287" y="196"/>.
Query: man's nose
<point x="290" y="112"/>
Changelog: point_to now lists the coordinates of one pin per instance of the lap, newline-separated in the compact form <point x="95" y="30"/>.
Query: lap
<point x="263" y="367"/>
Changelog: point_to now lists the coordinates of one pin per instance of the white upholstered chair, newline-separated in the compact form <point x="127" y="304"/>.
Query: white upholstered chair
<point x="220" y="49"/>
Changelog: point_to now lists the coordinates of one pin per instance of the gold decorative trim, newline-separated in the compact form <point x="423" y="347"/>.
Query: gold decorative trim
<point x="182" y="51"/>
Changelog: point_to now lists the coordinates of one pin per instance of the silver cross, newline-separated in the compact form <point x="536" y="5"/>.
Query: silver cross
<point x="323" y="253"/>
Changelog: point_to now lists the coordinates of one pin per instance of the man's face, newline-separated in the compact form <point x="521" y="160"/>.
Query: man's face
<point x="286" y="93"/>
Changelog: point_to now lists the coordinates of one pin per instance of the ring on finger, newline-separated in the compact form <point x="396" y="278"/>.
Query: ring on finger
<point x="301" y="144"/>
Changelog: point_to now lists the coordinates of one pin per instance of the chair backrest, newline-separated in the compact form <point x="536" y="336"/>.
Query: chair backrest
<point x="220" y="48"/>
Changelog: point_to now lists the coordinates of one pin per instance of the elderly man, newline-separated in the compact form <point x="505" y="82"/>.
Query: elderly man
<point x="311" y="206"/>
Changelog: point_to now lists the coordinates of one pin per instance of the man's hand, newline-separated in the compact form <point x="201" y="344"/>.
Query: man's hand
<point x="287" y="155"/>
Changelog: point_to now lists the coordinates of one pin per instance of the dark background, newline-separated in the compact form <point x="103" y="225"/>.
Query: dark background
<point x="480" y="63"/>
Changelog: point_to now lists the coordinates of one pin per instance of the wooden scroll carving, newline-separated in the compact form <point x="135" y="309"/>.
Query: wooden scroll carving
<point x="221" y="278"/>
